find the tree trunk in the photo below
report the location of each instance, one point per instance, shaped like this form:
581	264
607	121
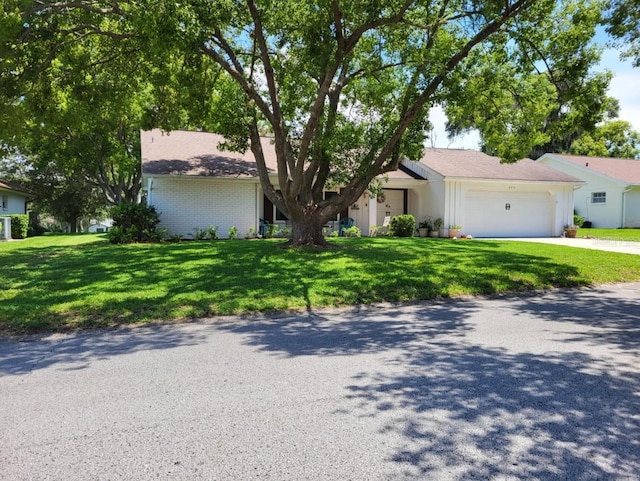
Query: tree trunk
306	230
73	225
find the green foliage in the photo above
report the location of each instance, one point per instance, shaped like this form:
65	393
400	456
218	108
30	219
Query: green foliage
272	230
426	224
538	87
615	138
578	220
19	225
208	233
133	222
352	231
623	23
233	232
220	278
345	92
402	225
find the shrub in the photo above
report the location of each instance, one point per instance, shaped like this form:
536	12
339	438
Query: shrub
208	233
402	225
134	223
578	220
233	232
272	230
353	231
19	225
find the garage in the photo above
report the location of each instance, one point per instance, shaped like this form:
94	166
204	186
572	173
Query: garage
508	214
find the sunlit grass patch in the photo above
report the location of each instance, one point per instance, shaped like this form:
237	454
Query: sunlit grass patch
70	282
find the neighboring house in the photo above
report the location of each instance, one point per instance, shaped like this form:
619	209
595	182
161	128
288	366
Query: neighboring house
491	199
194	184
98	226
13	199
610	196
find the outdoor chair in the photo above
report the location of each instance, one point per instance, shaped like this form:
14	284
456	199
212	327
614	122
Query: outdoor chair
344	223
263	228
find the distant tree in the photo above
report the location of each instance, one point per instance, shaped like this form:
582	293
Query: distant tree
615	138
547	69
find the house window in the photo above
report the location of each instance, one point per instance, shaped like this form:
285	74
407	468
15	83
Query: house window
598	197
5	202
280	215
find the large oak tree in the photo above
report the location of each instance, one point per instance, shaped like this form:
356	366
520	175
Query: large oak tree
343	86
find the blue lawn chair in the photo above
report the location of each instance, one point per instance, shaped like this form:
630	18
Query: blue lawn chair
345	223
263	228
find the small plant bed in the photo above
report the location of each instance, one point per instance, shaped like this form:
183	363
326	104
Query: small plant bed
58	283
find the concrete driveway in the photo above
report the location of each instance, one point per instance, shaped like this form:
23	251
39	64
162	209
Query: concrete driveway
536	387
624	247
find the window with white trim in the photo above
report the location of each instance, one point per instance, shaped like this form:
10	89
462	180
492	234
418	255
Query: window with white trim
598	197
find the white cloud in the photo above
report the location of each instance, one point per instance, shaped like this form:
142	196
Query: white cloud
439	135
625	86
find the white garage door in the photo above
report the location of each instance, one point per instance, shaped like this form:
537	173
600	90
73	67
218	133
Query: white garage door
508	214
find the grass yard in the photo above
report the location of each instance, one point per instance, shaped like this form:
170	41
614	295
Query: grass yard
632	235
70	282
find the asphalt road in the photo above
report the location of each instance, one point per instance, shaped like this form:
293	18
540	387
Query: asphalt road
536	387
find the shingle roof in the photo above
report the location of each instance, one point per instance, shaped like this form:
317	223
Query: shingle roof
198	153
11	186
458	163
626	170
188	153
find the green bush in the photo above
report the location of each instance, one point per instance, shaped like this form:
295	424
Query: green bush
578	220
134	223
208	233
19	226
353	231
402	225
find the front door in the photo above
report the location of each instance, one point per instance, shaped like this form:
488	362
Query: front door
391	202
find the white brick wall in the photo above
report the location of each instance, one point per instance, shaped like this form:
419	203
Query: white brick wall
187	203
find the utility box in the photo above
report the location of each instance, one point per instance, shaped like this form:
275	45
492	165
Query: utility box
5	228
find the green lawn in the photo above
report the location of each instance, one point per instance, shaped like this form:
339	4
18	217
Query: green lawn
68	282
612	234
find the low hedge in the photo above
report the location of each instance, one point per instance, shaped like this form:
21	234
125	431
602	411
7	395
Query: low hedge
19	226
402	225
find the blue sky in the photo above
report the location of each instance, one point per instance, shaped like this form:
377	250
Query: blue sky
625	86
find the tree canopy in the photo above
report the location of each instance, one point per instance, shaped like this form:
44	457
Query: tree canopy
623	23
614	138
343	86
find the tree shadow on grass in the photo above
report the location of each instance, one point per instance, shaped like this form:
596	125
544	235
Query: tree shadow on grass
105	285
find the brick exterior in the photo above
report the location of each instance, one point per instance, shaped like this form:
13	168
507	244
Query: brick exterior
187	203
